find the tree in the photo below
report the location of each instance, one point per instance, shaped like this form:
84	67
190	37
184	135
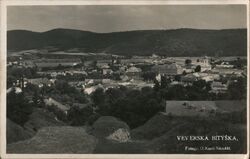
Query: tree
98	96
165	81
148	76
59	67
177	78
188	61
10	81
176	92
156	85
184	73
237	90
18	108
200	84
94	64
37	99
198	68
79	116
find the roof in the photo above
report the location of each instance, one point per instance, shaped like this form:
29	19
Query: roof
52	101
134	69
38	80
189	78
218	84
167	66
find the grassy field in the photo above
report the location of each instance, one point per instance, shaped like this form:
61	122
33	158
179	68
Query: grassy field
56	140
203	108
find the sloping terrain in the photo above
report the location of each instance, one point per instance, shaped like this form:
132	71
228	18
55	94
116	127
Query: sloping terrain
160	134
56	140
155	127
168	143
111	147
16	133
41	118
179	42
106	125
157	136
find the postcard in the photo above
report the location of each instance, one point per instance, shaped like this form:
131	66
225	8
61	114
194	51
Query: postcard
124	79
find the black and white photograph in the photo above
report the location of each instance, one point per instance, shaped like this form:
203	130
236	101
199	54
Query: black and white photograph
127	79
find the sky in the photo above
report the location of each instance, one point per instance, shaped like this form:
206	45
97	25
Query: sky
108	18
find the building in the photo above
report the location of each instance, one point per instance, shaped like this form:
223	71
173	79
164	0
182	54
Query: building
189	79
207	76
52	102
224	65
218	87
134	73
103	63
40	82
167	69
227	71
204	63
107	71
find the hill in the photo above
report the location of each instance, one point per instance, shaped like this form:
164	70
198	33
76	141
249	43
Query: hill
16	133
179	42
41	118
63	139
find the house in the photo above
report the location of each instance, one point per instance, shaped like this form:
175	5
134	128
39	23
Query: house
40	82
224	65
122	69
52	102
218	87
176	83
103	63
206	76
107	71
167	69
189	79
204	63
91	89
124	78
16	89
53	74
76	72
134	73
227	71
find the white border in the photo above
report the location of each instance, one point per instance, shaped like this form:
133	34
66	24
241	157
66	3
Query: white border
124	2
3	51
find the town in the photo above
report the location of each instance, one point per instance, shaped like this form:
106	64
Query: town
80	88
88	71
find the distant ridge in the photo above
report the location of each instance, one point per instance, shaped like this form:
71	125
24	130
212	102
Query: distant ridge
177	42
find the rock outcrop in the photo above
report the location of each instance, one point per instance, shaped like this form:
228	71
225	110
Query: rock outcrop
120	135
111	128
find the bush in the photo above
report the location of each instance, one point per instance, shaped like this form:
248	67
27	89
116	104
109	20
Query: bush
79	116
18	108
134	107
58	112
